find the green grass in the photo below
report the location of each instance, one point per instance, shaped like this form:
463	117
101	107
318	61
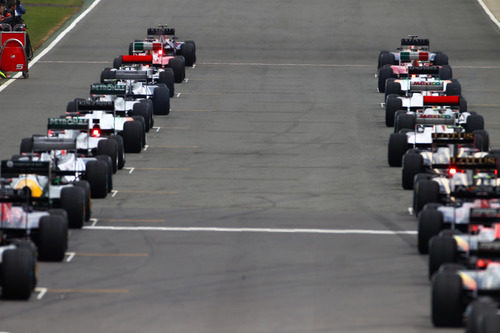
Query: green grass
42	21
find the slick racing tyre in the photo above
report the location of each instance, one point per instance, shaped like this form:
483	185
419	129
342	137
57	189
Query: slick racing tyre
73	202
384	73
462	104
188	52
454	88
141	110
404	121
167	77
107	75
17	273
430	224
392	104
110	148
474	122
26	145
398	145
413	163
392	87
117	62
96	173
178	66
447	304
85	185
52	238
109	170
445	73
194	47
481	140
387	58
442	250
441	59
161	101
121	150
132	136
476	313
141	120
491	323
427	191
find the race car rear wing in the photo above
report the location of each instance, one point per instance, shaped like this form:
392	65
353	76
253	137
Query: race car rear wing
137	59
108	89
486	163
442	100
161	31
131	75
415	42
408	56
423	70
427	85
86	106
8	194
445	139
14	168
434	120
68	124
45	144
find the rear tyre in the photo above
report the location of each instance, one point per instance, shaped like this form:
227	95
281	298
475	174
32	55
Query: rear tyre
405	121
445	73
446	300
441	59
491	323
392	104
141	109
97	175
85	185
107	74
52	238
398	145
108	171
26	145
110	148
117	62
161	101
474	122
120	150
442	250
18	274
412	165
477	311
73	202
430	223
188	52
132	136
392	87
168	78
427	191
177	65
481	140
384	73
454	88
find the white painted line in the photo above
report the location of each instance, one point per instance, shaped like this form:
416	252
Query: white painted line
41	292
146	147
178	95
382	105
70	255
72	62
113	194
186	80
284	64
194	66
94	221
259	230
53	44
489	13
375	75
157	129
410	210
130	170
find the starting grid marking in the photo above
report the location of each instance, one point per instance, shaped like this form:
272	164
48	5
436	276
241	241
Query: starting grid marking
257	230
43	291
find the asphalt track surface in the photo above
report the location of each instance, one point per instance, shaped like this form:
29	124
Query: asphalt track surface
279	126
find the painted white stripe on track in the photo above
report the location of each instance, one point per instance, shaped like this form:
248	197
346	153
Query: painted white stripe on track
53	43
259	230
489	13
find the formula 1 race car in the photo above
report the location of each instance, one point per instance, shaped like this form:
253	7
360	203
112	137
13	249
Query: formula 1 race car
454	287
94	123
172	45
436	159
475	248
425	132
45	191
70	166
18	267
134	86
412	53
468	177
22	218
